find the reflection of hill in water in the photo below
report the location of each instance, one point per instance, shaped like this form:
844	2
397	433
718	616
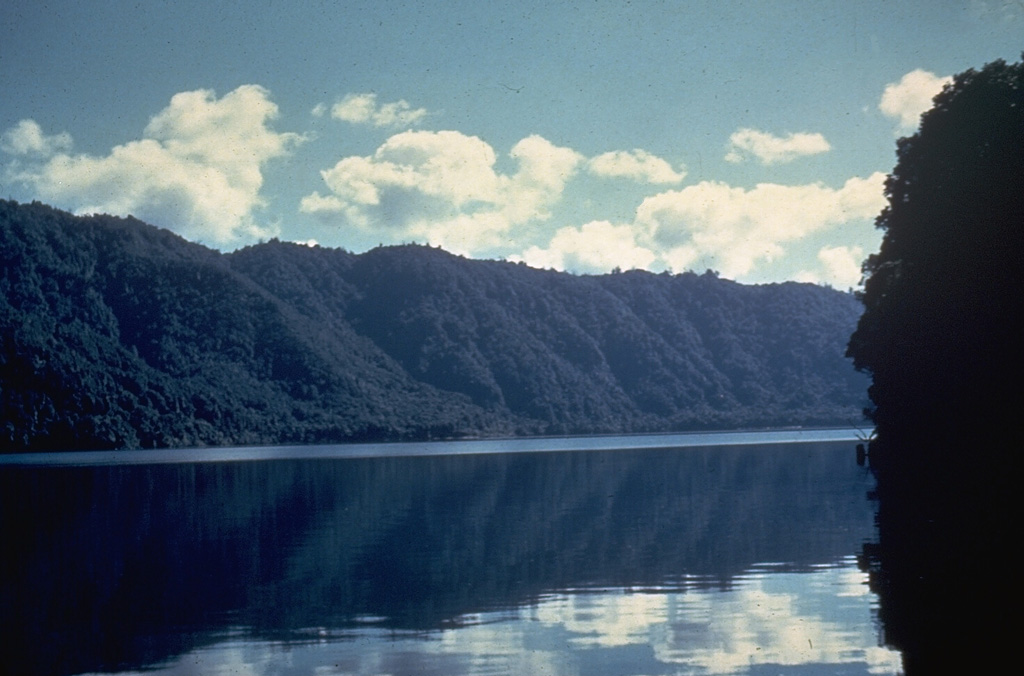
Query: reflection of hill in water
125	566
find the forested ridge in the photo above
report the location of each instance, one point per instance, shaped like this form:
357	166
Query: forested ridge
117	334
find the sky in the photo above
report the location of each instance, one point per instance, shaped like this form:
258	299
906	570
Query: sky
750	137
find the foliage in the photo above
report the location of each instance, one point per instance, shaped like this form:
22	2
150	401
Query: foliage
116	334
941	337
943	319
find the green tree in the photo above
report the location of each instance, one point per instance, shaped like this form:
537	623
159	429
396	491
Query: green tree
941	336
941	333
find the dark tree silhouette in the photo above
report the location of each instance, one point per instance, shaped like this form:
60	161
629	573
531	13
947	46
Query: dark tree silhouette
944	310
941	336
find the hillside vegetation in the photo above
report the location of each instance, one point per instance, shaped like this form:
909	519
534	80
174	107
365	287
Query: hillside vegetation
117	334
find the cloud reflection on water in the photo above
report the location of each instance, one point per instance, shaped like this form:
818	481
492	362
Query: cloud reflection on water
788	621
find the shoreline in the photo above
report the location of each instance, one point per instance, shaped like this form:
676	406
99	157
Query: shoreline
488	446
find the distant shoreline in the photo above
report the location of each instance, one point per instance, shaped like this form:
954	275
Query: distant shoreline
491	446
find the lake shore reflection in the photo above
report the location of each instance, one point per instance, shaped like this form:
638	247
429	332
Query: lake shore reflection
602	562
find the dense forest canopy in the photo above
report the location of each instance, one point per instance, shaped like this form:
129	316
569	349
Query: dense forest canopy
116	334
941	336
944	296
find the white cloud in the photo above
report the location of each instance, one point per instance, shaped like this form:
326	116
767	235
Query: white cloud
733	229
444	186
840	267
912	95
27	138
364	109
197	170
637	164
544	169
714	225
771	149
595	247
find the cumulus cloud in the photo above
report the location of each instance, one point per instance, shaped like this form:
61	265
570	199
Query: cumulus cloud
444	186
197	170
733	229
454	190
544	169
595	247
27	138
364	109
638	165
905	100
840	267
714	225
771	149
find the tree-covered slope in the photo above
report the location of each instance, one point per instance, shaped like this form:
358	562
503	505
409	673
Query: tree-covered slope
118	334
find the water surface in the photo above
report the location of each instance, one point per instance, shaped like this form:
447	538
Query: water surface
729	559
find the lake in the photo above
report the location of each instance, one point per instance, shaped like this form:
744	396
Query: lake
661	554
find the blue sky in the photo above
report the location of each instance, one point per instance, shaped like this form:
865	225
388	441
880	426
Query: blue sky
751	138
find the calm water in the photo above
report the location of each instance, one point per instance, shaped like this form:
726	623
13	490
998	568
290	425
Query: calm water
671	558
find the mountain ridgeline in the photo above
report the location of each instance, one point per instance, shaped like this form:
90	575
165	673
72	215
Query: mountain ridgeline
117	334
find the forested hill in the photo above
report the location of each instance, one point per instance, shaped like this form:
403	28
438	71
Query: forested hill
117	334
